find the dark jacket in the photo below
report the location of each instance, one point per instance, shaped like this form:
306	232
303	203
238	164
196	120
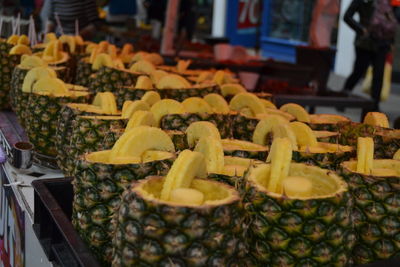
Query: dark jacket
365	9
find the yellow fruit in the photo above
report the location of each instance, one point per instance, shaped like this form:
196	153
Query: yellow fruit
106	102
369	157
361	154
183	65
196	105
213	153
133	107
304	135
112	51
20	49
268	104
232	89
187	197
377	119
102	60
384	172
144	82
247	100
297	111
49	37
265	126
204	76
186	167
127	49
35	74
24	40
13	39
33	61
156	76
50	85
285	131
118	64
125	160
143	66
297	187
217	103
271	111
200	129
397	155
140	118
70	41
151	98
173	81
165	107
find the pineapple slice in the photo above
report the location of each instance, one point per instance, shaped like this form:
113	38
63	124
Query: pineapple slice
50	85
268	104
140	118
118	64
365	155
213	153
20	49
264	126
70	41
204	76
13	39
172	81
297	187
188	165
133	107
156	76
222	77
232	89
280	157
234	170
200	129
143	66
102	60
271	111
196	105
151	98
78	40
247	112
144	82
127	49
165	107
369	157
285	131
304	135
384	172
106	102
33	61
217	103
103	46
183	65
297	111
247	100
35	74
23	39
112	51
396	155
124	160
377	119
141	139
49	37
187	196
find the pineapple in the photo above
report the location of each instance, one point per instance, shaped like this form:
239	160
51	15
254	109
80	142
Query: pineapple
297	111
83	72
326	122
327	137
374	186
376	119
100	179
244	149
187	221
299	214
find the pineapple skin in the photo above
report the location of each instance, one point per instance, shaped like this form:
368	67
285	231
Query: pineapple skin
7	65
19	99
243	127
375	216
110	79
83	72
43	113
152	233
97	195
329	161
289	232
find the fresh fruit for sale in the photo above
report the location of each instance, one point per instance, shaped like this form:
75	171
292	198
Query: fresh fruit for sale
376	209
196	105
365	155
244	149
213	152
217	103
268	104
102	60
32	61
34	75
397	155
304	135
151	98
49	85
326	122
285	131
309	226
164	107
144	82
156	76
261	134
377	119
141	118
143	66
297	111
133	107
247	100
20	49
204	76
172	81
273	111
327	137
200	129
232	89
13	39
222	77
51	36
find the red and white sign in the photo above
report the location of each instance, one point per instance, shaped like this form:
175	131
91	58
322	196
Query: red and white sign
249	15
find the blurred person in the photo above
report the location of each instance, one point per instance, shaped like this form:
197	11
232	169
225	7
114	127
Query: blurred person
323	20
119	11
156	10
375	32
68	11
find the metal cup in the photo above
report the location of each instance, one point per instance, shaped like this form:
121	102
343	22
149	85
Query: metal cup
22	155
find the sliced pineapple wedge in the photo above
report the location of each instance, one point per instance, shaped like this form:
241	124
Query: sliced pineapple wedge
156	76
217	102
102	60
285	131
51	36
377	119
384	172
196	105
268	104
151	97
33	61
143	66
20	49
106	102
50	85
365	155
187	196
271	111
304	134
13	39
183	65
396	155
133	107
297	187
232	89
297	111
140	140
264	127
186	167
144	82
200	129
141	118
35	74
23	39
280	157
204	76
165	107
173	81
213	152
247	100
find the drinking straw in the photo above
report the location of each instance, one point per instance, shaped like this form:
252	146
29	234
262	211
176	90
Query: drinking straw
1	25
76	27
59	23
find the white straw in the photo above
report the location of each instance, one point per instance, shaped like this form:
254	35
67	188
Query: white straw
19	24
59	23
1	25
76	27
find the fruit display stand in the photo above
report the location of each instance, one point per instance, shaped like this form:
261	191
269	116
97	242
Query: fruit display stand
29	236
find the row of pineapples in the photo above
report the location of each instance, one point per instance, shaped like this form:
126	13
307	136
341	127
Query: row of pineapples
295	213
